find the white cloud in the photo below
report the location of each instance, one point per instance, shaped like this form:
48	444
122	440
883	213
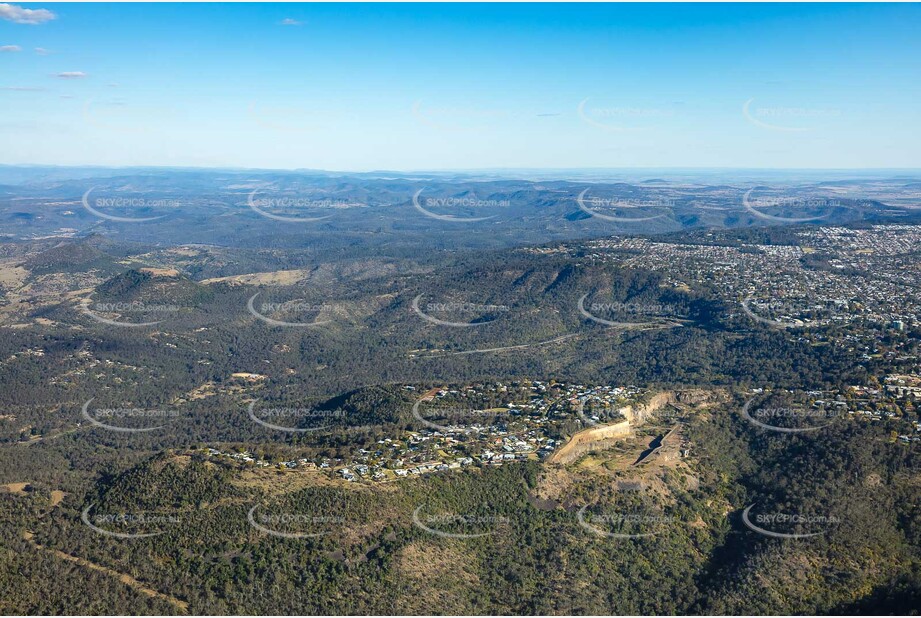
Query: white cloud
71	75
19	15
10	48
290	22
22	88
41	51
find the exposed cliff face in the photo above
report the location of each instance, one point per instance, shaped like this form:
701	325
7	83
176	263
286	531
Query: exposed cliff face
601	437
699	396
637	415
589	440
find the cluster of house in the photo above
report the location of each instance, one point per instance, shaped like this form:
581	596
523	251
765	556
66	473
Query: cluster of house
377	472
247	457
903	385
522	428
870	403
526	424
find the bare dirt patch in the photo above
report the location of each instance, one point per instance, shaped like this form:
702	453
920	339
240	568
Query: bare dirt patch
554	483
161	272
16	488
278	277
279	482
12	277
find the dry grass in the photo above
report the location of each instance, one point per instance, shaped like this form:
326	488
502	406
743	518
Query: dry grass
12	276
16	488
278	277
279	482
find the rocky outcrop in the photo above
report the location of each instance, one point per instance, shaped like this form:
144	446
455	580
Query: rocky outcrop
604	436
699	396
638	414
591	440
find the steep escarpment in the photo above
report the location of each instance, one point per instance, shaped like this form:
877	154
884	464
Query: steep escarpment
604	436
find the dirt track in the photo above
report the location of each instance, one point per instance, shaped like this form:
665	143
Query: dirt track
122	577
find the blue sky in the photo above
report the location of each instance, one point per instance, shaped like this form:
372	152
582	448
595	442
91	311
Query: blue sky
436	86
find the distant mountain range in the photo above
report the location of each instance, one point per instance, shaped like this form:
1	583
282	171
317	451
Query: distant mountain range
400	213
